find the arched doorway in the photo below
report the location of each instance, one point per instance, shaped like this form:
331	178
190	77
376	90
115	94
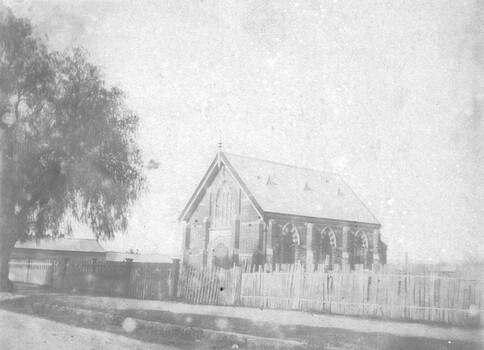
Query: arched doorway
220	256
327	248
289	244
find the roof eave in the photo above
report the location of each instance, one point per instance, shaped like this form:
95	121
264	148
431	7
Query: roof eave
200	186
213	167
316	219
61	250
241	183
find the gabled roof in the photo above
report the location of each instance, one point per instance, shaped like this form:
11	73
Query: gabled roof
286	189
63	244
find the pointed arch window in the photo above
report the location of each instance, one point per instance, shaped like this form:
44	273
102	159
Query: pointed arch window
289	244
223	208
359	248
328	247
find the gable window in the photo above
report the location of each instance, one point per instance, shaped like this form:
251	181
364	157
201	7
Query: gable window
224	207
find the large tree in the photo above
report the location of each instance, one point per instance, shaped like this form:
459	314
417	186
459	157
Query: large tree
67	143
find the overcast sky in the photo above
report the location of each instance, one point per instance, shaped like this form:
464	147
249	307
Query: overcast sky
382	92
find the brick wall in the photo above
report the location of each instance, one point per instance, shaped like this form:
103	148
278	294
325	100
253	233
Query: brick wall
316	247
249	238
202	211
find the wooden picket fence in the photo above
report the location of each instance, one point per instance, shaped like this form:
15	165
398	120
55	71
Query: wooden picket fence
151	281
386	293
209	285
415	294
110	278
31	271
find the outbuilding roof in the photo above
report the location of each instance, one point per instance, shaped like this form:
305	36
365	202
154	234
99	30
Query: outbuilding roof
141	258
63	244
287	189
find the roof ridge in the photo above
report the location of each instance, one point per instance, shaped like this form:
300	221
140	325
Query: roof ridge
357	209
68	239
285	164
86	239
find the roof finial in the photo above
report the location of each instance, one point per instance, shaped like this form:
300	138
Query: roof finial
219	148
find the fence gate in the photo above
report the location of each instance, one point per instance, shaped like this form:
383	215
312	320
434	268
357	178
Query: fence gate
209	285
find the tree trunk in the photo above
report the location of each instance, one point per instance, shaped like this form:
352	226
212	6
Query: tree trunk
8	233
6	248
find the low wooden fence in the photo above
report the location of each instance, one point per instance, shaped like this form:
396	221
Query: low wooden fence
389	293
386	293
156	281
31	271
152	281
209	285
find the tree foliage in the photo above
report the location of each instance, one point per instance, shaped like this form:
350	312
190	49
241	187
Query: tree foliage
72	139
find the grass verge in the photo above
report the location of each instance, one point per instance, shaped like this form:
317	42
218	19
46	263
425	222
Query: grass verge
190	331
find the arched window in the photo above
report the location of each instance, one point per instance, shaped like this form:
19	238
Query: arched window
359	248
328	247
290	243
223	208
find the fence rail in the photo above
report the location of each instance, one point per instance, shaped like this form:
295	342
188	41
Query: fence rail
385	293
31	271
111	278
389	293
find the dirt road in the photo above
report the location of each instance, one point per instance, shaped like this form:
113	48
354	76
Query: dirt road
18	331
288	318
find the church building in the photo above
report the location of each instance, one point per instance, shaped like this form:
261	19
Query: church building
247	210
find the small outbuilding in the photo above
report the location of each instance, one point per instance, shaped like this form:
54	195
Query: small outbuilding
60	248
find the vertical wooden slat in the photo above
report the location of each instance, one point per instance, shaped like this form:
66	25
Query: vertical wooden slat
416	294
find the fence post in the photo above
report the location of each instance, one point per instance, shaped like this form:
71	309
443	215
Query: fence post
129	268
52	270
175	276
237	285
28	269
296	285
407	287
93	274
